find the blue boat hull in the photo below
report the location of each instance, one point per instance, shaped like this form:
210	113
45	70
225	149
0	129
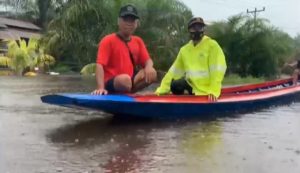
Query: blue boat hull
123	105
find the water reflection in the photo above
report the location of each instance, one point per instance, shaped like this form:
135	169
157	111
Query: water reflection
132	146
203	139
122	141
36	137
202	144
97	130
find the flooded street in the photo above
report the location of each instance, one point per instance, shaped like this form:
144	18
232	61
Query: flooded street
40	138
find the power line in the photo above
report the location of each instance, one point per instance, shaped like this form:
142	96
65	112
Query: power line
256	11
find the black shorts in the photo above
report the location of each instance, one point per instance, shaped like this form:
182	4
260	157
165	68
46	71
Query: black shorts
178	87
109	85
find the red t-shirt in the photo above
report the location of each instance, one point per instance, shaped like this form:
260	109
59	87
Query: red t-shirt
115	58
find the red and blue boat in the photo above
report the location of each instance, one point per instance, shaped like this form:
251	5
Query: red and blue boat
232	100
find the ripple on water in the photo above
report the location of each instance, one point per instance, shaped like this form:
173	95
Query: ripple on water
60	139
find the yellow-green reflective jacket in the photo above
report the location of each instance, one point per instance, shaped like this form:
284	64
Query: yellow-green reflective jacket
203	66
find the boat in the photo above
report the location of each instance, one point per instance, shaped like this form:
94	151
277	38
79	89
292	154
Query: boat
232	100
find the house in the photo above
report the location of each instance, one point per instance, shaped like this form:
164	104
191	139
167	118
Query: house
11	29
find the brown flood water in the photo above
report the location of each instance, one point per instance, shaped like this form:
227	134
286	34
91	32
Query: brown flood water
41	138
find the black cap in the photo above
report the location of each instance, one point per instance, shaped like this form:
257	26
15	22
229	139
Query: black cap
196	20
128	10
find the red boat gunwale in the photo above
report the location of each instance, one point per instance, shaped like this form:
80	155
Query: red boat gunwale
230	94
255	86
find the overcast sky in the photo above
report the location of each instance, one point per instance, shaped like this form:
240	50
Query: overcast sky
284	14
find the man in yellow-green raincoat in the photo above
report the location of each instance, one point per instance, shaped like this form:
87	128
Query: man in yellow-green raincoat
199	67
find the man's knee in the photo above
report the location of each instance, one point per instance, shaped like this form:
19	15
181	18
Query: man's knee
123	83
140	76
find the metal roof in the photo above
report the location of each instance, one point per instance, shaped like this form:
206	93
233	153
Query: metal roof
18	24
15	34
16	29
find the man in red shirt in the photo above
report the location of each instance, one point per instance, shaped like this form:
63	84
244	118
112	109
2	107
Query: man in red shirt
118	56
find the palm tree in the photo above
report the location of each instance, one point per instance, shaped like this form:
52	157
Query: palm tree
79	28
27	55
77	31
39	12
22	54
5	61
252	47
44	61
164	29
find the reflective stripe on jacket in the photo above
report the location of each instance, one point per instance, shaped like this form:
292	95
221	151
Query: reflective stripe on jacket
203	66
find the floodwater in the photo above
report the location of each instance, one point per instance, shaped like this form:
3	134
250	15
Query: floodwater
40	138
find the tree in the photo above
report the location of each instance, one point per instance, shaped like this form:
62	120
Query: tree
44	61
5	61
27	55
74	34
15	6
22	55
39	12
164	29
297	41
252	47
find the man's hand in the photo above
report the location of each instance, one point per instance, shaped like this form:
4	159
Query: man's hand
100	81
212	98
150	74
100	92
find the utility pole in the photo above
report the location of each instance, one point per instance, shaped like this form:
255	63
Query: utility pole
256	11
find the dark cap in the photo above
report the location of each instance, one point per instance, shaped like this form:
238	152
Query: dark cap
196	20
128	10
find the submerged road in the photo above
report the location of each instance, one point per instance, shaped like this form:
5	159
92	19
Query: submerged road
41	138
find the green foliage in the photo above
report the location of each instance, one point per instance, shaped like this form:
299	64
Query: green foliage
45	60
234	79
22	54
27	55
5	73
252	47
39	12
88	69
297	47
164	29
61	68
75	33
5	61
297	41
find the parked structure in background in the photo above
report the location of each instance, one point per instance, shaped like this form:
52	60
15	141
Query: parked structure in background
11	29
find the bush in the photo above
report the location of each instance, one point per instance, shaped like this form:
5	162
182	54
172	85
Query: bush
88	69
235	79
252	47
61	68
